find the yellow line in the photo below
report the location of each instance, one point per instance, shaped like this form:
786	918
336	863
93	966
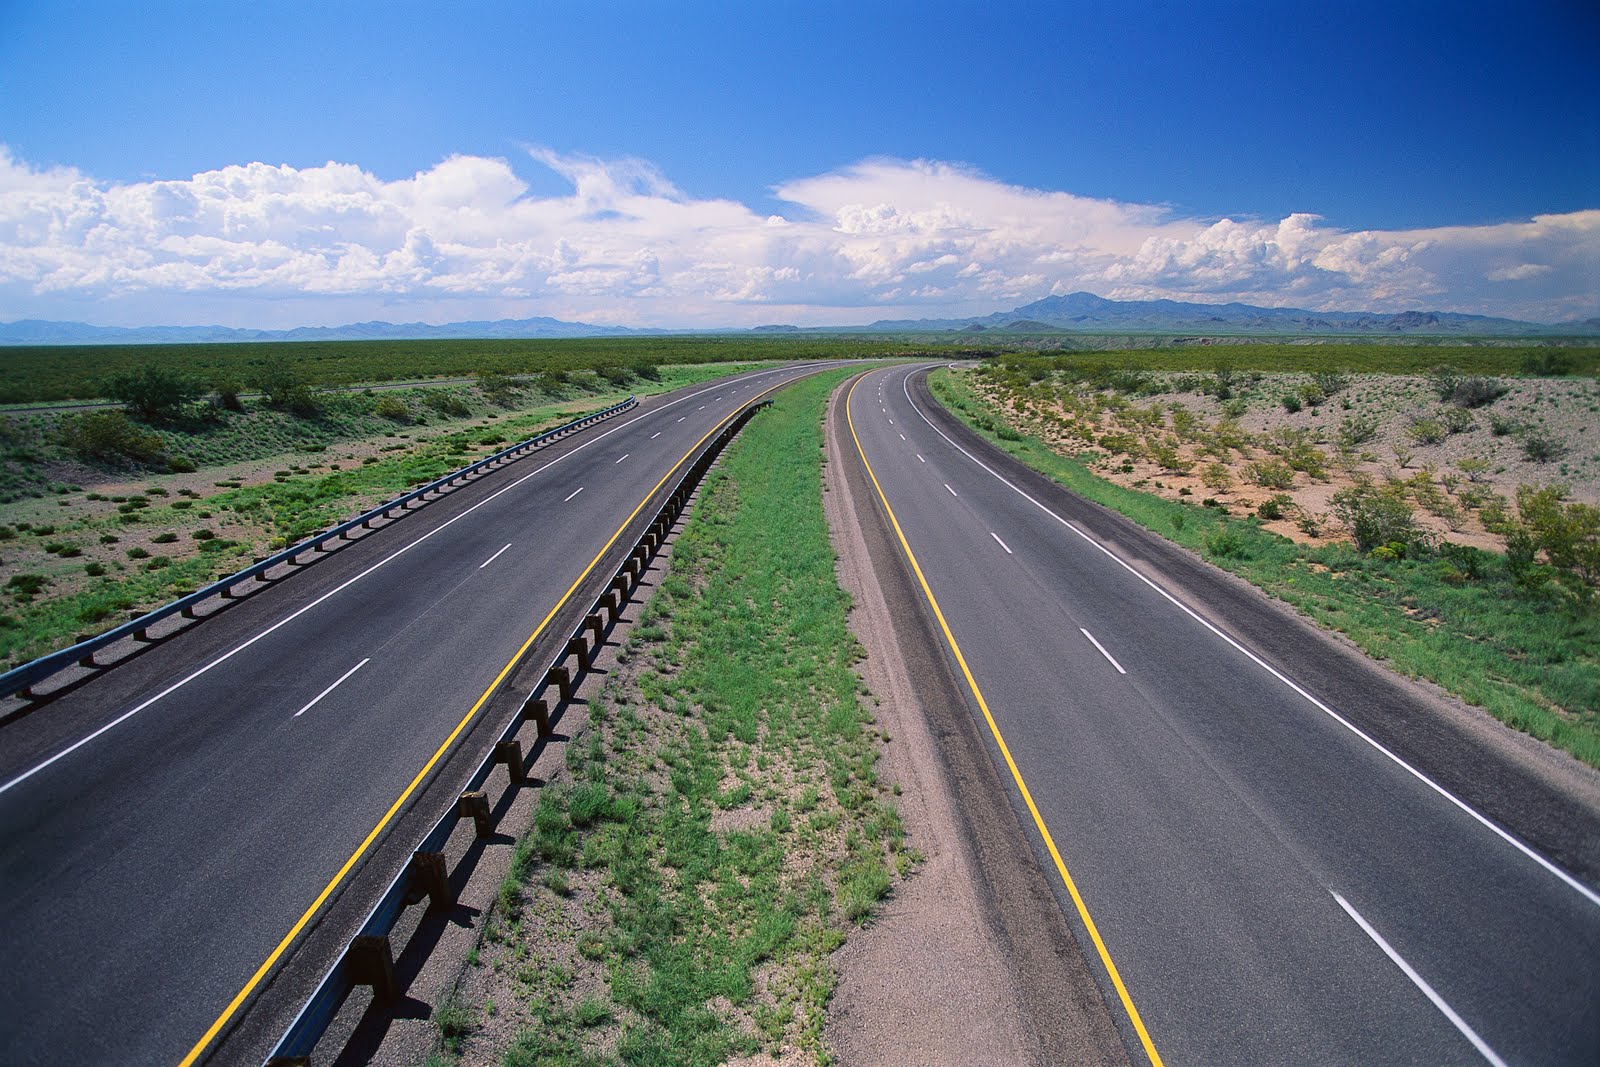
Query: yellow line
994	728
355	857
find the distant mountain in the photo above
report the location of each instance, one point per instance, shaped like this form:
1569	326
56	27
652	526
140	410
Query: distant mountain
43	332
1087	313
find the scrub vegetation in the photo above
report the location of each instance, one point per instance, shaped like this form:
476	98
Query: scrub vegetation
124	536
720	825
1510	623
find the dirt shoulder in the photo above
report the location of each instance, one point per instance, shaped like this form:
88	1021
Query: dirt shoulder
971	961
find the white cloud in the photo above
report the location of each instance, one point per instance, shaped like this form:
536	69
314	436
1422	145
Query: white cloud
275	245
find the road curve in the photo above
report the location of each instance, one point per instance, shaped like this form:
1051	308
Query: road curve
150	870
1264	881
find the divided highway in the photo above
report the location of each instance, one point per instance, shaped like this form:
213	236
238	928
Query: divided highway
1257	880
172	831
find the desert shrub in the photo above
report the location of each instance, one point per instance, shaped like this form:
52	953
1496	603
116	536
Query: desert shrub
110	437
1217	476
1295	448
1426	431
615	373
1567	532
1458	420
1475	392
1311	393
1271	474
1445	379
1374	516
1330	382
1275	506
1547	364
1356	430
1290	402
1474	468
1539	448
1501	426
1225	541
286	388
228	390
1309	523
391	407
153	392
447	404
498	388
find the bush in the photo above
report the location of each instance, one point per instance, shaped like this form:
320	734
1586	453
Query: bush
1501	426
1425	431
1568	533
1290	402
1374	516
153	392
447	404
616	375
286	388
1271	474
228	390
498	388
1539	448
391	407
1357	430
1458	420
110	436
1275	506
1225	542
1445	379
1547	364
1475	392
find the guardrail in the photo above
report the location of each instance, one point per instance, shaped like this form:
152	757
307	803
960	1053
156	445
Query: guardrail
20	680
368	960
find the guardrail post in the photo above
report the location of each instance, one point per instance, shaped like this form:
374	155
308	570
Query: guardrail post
475	806
562	678
539	711
609	603
510	753
429	878
371	963
593	623
577	646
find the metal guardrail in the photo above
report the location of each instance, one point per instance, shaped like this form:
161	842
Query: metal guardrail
19	680
368	960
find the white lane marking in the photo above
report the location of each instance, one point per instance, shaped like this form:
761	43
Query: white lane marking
920	459
655	435
496	556
286	620
1585	891
702	407
340	682
685	417
902	437
891	422
625	455
952	491
574	493
1001	543
1417	980
1102	648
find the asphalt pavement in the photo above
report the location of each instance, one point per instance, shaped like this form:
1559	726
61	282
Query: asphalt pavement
172	830
1267	881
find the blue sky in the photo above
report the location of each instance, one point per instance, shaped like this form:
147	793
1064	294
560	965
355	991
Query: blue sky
916	135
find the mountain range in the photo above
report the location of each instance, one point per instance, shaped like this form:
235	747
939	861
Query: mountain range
1072	313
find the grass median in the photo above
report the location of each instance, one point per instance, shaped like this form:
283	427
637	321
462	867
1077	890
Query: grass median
720	824
1529	658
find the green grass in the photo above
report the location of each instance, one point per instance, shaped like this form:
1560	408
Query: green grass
747	674
1532	659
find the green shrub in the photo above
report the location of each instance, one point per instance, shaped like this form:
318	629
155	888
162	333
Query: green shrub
1501	426
136	552
1475	392
1568	533
203	535
1225	541
1271	474
1458	420
1374	516
1426	431
1540	448
1356	430
165	537
447	404
1290	402
1275	506
153	392
391	407
1548	363
110	437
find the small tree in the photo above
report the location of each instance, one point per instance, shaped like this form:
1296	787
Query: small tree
1373	516
153	392
286	387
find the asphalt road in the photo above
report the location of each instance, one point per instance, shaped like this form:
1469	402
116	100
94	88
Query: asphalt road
1270	881
166	825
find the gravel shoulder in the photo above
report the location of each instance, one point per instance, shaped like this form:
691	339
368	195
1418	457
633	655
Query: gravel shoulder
971	961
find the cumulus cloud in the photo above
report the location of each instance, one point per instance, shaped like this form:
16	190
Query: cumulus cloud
272	245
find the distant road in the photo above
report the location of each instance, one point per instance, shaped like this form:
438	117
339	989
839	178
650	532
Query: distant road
1287	855
167	827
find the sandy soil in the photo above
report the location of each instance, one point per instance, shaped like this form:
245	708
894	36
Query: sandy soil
1449	499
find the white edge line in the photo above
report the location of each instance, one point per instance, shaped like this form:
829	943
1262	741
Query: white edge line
1109	657
1001	543
1417	980
175	686
494	557
1585	891
342	677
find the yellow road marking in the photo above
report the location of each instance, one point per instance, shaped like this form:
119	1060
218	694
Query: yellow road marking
355	857
994	728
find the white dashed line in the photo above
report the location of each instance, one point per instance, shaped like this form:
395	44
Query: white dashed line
625	456
575	492
1416	979
655	435
491	559
952	491
1001	543
331	688
1102	649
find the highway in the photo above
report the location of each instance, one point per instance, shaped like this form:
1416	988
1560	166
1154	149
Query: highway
174	830
1256	874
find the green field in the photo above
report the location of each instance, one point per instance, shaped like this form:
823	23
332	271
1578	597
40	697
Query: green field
34	375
